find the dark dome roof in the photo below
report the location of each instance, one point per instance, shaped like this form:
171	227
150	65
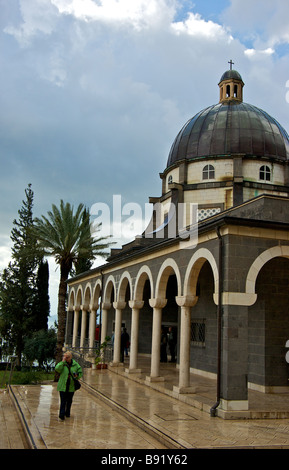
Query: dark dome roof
228	129
231	74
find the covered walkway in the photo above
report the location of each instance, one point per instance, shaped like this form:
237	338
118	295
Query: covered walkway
114	411
203	392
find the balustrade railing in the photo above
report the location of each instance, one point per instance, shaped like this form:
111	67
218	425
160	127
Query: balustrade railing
86	354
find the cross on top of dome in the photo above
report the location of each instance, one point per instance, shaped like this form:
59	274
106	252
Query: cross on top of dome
231	86
231	63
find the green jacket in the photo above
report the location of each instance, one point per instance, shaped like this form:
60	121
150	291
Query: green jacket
63	370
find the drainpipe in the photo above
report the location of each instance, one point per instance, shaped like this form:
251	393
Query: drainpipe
219	324
100	312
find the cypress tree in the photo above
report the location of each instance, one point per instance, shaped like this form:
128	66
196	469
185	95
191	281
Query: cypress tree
41	306
18	285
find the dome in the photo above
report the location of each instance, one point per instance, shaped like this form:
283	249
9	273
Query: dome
228	129
231	74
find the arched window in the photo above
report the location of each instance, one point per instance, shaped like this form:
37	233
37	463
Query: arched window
170	179
265	173
208	172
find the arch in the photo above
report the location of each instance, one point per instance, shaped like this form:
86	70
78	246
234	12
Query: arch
168	267
87	294
265	173
228	91
79	297
96	293
71	299
125	281
109	288
208	172
259	262
193	270
143	274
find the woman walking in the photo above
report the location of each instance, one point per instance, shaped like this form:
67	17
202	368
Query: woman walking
67	368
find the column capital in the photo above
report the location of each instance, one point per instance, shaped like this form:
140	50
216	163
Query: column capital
136	304
106	305
76	308
84	307
119	305
158	303
93	307
186	300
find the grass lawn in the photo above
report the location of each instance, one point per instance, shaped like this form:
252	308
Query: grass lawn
24	377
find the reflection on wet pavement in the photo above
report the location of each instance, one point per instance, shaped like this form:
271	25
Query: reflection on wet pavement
96	425
92	425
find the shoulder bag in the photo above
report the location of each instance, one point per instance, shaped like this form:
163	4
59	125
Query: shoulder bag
77	384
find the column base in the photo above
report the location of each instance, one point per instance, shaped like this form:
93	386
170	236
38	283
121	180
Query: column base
234	405
116	364
132	371
154	379
184	390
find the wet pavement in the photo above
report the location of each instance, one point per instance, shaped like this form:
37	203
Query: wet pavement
12	435
115	410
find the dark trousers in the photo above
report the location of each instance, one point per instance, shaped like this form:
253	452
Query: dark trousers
65	403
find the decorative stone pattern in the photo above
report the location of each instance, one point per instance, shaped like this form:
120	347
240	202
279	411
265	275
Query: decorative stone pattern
205	213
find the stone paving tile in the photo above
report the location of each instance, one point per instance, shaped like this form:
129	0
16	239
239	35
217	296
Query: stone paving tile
92	424
171	416
11	434
95	425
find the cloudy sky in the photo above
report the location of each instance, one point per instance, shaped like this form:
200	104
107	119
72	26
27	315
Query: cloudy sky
93	92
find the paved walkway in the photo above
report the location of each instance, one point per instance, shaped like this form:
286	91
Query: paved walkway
112	411
11	433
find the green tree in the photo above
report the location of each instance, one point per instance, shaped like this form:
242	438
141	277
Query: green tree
11	314
18	281
66	235
85	261
41	346
41	301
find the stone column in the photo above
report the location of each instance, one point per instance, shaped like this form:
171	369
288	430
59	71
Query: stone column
84	309
75	326
157	305
119	306
68	326
135	305
186	303
106	306
92	325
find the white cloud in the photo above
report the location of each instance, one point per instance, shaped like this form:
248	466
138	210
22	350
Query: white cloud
263	22
254	53
194	25
138	13
39	16
5	251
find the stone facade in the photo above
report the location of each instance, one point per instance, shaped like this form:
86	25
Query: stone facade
223	289
161	286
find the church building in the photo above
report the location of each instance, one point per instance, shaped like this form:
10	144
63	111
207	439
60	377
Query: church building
212	266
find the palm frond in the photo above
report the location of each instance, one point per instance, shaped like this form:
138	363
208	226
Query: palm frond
65	234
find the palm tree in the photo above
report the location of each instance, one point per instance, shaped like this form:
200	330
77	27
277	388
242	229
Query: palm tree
67	237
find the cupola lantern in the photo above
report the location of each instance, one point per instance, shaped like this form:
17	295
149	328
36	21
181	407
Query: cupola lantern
231	86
